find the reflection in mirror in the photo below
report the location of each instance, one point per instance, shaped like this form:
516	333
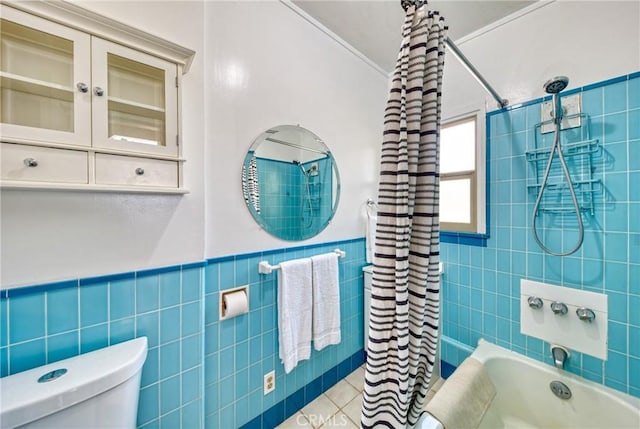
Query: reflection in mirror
290	182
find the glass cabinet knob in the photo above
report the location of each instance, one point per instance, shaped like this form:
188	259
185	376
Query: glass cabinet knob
139	171
82	87
98	91
30	162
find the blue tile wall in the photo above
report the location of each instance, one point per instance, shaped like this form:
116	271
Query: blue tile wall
47	323
284	206
280	184
320	193
481	286
199	371
239	351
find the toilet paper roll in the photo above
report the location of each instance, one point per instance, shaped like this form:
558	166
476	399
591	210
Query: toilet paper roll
235	303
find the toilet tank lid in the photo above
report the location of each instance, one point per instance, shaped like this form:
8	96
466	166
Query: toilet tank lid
24	400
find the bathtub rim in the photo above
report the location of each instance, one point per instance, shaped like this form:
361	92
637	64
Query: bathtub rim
486	351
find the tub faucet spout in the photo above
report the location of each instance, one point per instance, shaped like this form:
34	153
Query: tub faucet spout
560	356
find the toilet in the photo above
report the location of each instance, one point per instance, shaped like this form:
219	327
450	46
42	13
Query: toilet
99	389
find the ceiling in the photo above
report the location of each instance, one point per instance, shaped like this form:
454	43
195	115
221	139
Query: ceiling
373	27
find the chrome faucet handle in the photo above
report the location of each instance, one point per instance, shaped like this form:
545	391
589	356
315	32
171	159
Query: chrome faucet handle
586	314
560	355
559	308
534	302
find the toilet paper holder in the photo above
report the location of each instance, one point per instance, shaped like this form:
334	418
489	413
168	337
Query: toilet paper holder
234	295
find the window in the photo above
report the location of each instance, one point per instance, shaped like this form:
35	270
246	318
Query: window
462	187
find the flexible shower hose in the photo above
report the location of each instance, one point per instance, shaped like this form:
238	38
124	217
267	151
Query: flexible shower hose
556	148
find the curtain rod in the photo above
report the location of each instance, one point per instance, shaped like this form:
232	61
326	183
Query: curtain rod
502	102
297	146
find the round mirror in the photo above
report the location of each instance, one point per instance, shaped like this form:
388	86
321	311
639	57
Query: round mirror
290	182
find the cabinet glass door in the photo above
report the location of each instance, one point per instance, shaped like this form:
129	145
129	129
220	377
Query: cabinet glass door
136	108
41	80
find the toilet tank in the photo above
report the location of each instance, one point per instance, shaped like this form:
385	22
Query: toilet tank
99	389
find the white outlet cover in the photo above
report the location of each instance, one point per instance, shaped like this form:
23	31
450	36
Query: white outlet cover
269	382
571	105
565	330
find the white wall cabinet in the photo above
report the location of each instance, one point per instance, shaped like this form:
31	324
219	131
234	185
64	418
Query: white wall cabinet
90	97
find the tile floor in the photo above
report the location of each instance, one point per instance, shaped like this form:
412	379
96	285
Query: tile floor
338	407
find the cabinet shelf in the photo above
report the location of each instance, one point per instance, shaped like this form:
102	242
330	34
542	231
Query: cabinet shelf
134	108
37	87
47	50
59	186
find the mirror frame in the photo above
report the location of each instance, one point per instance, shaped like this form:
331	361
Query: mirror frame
335	174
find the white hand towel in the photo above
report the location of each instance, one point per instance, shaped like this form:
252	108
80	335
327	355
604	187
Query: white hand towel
294	312
370	235
326	300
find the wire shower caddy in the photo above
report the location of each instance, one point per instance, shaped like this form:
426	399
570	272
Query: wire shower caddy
579	149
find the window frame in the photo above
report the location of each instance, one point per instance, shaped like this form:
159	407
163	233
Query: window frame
477	227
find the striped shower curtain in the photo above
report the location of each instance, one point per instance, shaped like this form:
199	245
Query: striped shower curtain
250	184
403	326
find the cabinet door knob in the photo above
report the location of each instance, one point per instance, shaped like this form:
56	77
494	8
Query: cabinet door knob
30	162
98	91
139	171
82	87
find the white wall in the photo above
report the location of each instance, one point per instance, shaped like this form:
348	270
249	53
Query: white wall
260	64
266	66
257	65
588	41
49	236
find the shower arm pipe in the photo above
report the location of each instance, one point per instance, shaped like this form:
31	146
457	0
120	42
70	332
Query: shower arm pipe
264	267
297	146
502	102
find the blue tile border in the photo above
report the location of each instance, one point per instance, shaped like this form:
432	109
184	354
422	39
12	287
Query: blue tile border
297	400
107	278
600	84
198	264
446	369
39	288
219	259
155	271
27	289
285	408
284	249
464	238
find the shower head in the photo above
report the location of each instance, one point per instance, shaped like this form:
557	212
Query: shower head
299	164
556	84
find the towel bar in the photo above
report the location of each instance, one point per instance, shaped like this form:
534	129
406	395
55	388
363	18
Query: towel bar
265	268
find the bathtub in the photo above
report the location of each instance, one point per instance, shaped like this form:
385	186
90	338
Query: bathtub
524	400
